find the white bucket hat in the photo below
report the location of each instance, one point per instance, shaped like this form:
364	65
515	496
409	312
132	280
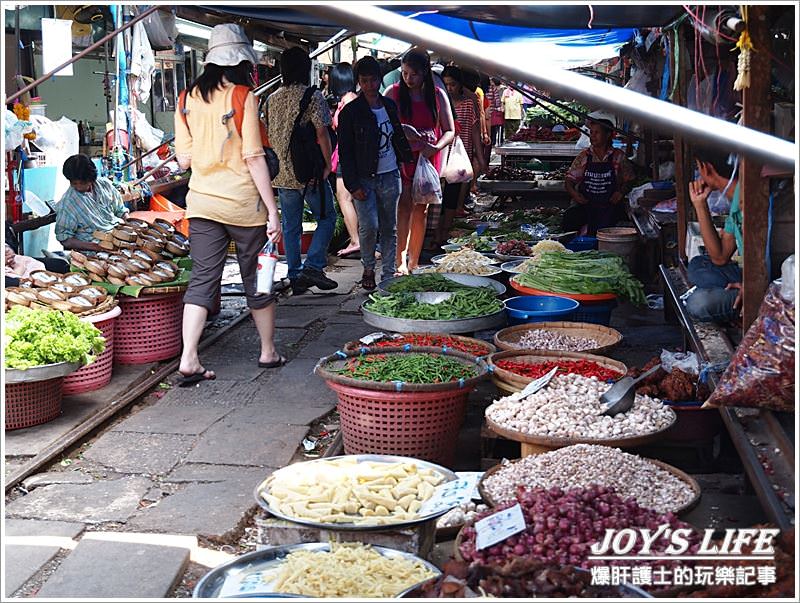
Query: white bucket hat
602	117
228	46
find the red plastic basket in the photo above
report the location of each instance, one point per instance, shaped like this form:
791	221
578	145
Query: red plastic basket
424	425
149	328
97	374
33	402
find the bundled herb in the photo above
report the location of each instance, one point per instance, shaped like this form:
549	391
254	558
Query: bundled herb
432	282
409	368
587	272
469	303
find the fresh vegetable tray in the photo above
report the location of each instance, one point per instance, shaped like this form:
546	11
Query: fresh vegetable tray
462	279
41	373
684	477
210	586
449	476
589	297
459	325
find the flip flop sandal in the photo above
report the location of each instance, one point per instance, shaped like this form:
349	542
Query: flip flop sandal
187	380
274	364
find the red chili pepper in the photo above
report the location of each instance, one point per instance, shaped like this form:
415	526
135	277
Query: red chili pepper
585	368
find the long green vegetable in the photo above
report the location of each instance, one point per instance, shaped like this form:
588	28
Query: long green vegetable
409	368
417	283
589	272
462	304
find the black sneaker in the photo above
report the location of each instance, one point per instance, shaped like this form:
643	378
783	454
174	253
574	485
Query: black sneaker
316	278
299	285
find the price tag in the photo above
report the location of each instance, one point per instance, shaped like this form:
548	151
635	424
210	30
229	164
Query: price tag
449	495
476	475
537	384
372	338
498	527
246	583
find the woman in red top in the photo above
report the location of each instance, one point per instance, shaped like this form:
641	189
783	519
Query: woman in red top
428	124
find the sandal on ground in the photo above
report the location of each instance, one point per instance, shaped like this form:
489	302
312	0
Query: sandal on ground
201	375
274	364
368	280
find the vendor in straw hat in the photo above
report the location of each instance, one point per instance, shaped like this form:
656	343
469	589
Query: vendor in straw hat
598	179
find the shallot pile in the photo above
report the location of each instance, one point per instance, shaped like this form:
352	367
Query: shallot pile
542	339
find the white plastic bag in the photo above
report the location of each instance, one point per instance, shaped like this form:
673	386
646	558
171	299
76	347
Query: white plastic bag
685	361
459	167
426	188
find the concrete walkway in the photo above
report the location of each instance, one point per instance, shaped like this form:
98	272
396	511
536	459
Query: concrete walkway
137	503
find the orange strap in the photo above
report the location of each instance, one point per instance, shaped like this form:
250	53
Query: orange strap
237	103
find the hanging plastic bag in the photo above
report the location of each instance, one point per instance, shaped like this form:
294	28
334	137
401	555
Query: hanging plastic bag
426	188
459	167
761	373
684	361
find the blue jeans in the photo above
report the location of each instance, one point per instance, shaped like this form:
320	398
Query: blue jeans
711	301
378	213
292	201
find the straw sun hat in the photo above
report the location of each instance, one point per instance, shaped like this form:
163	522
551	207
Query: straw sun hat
228	46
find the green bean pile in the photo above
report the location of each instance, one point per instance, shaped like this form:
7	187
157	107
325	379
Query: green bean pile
418	283
462	304
409	368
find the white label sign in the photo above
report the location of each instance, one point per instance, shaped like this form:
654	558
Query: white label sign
537	384
450	495
476	475
498	527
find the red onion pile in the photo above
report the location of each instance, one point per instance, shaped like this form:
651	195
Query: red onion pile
562	525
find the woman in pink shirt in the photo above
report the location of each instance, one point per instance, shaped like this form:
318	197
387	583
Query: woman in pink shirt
428	123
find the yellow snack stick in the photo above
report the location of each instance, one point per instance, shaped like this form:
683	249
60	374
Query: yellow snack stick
382	511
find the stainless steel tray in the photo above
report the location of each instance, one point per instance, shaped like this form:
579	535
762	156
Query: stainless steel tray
463	279
351	527
211	585
511	267
41	373
506	186
460	325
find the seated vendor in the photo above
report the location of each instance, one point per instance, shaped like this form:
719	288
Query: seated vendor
598	180
91	203
19	267
718	296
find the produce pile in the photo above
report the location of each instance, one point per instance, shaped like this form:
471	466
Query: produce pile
34	338
462	304
557	174
544	339
350	570
346	491
563	524
419	283
466	512
465	261
583	465
545	134
417	368
49	290
539	115
586	272
518	578
509	224
510	174
675	386
585	368
474	241
569	407
137	254
514	247
434	340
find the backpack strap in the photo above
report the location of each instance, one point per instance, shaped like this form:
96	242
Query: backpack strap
238	99
304	103
182	108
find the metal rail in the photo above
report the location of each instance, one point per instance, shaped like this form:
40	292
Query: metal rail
655	113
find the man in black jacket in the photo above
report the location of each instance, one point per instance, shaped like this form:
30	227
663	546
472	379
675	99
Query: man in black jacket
371	147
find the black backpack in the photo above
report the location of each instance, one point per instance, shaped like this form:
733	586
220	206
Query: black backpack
306	154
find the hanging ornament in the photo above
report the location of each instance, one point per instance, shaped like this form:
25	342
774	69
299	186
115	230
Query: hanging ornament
745	47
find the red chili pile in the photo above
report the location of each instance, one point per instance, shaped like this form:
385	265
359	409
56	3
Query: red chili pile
587	368
436	341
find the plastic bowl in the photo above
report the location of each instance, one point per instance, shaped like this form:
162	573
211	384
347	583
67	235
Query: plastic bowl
539	308
582	244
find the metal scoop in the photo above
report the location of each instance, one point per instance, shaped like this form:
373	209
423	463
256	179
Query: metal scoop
431	297
622	394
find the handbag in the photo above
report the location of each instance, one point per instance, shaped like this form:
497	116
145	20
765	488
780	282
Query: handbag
459	167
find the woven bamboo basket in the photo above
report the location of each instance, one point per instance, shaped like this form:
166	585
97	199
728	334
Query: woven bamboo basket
685	478
607	338
540	356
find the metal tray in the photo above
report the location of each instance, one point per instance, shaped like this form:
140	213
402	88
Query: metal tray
495	270
463	279
41	373
460	325
511	267
489	255
506	186
350	527
210	586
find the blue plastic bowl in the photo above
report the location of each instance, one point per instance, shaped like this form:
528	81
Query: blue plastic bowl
582	244
595	313
539	308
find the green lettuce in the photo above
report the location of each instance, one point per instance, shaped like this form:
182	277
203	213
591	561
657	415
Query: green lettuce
37	337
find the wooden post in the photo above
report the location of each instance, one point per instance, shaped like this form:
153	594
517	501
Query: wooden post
754	196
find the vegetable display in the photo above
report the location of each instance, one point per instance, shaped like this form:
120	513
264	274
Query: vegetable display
544	134
562	525
407	368
465	261
462	304
514	247
586	272
585	368
511	174
538	114
436	341
542	339
419	283
474	241
34	338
